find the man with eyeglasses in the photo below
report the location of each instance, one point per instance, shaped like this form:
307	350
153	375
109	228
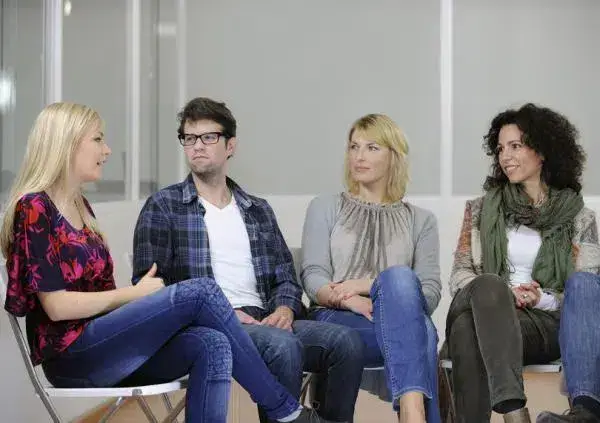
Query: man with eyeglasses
208	226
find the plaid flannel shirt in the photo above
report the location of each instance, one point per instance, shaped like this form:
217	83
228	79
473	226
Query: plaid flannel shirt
171	232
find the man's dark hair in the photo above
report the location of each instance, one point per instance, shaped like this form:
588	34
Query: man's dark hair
202	108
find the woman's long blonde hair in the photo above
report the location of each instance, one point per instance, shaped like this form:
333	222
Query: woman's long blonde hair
53	140
384	131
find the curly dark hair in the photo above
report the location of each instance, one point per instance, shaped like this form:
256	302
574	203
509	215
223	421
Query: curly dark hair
202	108
548	133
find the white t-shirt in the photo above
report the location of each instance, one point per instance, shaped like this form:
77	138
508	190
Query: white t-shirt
230	255
523	246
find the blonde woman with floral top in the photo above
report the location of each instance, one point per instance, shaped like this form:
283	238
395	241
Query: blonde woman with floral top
521	244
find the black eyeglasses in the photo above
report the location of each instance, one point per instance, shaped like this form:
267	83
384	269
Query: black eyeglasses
207	138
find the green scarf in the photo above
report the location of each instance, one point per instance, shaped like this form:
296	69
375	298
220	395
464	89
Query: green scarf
510	206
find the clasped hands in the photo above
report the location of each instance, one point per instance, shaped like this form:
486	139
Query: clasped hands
349	294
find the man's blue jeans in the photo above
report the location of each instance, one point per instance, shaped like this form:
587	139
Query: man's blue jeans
335	352
186	328
402	337
579	335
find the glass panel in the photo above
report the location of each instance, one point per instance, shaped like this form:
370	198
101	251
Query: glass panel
21	81
95	73
149	98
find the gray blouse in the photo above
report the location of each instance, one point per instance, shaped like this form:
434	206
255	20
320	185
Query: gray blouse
346	238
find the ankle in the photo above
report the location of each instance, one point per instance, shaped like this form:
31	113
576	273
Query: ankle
412	408
517	416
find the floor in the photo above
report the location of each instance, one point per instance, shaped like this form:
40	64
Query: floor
542	391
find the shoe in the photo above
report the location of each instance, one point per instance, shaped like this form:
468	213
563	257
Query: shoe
518	416
578	414
309	415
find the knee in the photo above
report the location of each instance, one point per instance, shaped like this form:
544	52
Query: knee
396	279
203	291
582	285
490	289
284	350
213	348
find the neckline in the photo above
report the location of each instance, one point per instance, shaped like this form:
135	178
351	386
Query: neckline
375	206
206	203
61	216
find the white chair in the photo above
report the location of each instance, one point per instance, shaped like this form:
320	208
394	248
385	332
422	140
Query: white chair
45	393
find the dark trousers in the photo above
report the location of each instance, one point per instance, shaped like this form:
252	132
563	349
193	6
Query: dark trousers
489	341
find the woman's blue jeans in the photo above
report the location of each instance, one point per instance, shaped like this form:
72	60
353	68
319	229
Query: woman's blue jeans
185	328
402	338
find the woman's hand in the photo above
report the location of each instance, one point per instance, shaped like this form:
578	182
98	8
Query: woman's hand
527	294
149	283
359	305
352	287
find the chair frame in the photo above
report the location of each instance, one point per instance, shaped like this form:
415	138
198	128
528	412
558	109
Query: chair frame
45	393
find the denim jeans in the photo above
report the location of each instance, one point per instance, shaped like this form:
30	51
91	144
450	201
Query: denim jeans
489	340
334	352
580	335
186	328
402	337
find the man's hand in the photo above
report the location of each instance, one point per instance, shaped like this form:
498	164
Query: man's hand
352	287
360	305
246	319
281	318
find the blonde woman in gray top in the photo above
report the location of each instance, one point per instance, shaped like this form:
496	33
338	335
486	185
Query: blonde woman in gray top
371	262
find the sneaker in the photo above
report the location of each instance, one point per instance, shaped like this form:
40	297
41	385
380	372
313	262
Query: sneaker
308	415
577	414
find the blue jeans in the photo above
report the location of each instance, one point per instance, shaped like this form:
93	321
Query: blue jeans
579	335
185	328
334	352
402	337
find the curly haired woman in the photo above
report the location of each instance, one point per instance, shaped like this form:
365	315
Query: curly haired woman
521	243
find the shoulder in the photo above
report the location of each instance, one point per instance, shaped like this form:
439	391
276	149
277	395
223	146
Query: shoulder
257	201
475	204
34	205
171	192
167	196
584	218
423	218
328	203
473	210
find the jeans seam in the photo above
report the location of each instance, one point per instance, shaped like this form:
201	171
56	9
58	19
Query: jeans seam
385	350
76	351
137	323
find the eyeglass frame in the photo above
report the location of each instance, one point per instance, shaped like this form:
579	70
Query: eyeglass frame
181	137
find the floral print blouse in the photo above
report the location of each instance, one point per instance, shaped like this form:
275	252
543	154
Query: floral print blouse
48	254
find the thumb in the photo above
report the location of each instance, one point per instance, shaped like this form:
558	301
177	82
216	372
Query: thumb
152	272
